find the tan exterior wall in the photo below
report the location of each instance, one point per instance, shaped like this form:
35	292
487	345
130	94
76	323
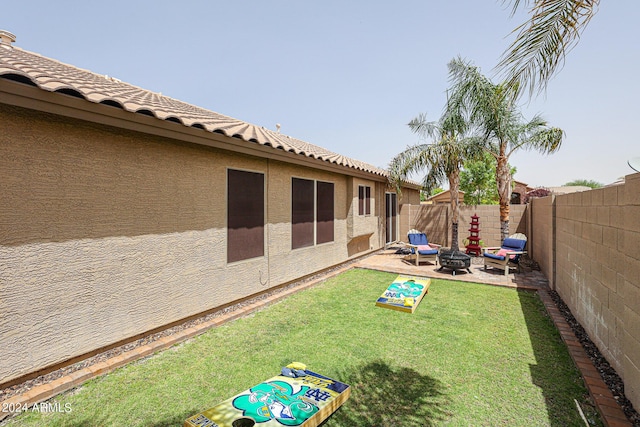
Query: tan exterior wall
598	271
444	198
285	264
409	198
364	230
106	234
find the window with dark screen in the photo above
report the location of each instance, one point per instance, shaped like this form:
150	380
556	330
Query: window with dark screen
364	200
324	203
312	213
302	213
245	215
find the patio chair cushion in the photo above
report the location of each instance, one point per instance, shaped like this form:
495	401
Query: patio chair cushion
508	244
513	244
420	248
418	239
494	256
426	250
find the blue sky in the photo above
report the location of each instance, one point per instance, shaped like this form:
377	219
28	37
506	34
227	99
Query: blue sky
349	75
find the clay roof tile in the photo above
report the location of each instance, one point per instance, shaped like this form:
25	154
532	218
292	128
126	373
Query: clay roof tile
52	75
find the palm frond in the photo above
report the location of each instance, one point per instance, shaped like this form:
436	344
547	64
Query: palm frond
543	42
515	5
420	126
473	96
548	140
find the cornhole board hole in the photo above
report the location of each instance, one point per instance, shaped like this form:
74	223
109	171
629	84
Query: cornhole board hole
405	293
304	401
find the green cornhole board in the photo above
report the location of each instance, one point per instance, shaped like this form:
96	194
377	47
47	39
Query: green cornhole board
304	401
404	294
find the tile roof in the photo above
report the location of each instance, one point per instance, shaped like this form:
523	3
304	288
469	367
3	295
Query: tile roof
54	76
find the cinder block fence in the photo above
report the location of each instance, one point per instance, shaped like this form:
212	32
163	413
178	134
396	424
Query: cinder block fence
588	246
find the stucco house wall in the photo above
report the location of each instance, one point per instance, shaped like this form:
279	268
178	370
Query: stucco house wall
113	223
107	234
362	227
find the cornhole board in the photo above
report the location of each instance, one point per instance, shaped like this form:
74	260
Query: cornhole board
405	293
280	401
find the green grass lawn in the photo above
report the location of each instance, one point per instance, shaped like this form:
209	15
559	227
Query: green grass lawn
470	355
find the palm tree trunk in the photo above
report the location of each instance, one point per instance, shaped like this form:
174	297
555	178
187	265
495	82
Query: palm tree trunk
503	178
454	186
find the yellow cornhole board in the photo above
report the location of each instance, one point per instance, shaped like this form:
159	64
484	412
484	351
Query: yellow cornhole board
405	293
304	401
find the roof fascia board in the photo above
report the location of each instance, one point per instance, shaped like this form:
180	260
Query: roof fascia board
34	98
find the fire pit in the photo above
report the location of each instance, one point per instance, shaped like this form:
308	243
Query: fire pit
454	260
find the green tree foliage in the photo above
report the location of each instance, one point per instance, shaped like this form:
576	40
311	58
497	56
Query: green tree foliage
478	181
424	195
585	183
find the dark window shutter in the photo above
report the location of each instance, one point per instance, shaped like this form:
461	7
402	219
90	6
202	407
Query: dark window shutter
325	212
367	200
245	215
302	213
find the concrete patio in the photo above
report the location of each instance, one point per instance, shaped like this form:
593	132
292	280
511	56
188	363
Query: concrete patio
390	261
529	278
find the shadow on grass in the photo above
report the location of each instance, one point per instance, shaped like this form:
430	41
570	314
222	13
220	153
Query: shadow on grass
382	395
176	420
554	371
106	420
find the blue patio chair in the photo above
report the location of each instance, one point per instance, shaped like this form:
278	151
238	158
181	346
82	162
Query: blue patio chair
506	256
421	249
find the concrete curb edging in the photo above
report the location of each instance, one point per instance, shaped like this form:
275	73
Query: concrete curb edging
49	390
610	412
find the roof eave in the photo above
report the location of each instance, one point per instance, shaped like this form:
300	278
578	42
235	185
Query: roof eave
31	97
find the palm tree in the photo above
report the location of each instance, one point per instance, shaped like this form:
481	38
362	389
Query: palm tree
442	158
492	111
543	42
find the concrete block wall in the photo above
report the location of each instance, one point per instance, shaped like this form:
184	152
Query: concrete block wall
598	271
542	233
435	221
406	201
587	246
489	218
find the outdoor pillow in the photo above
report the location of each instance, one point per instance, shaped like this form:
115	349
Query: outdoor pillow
503	253
426	250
